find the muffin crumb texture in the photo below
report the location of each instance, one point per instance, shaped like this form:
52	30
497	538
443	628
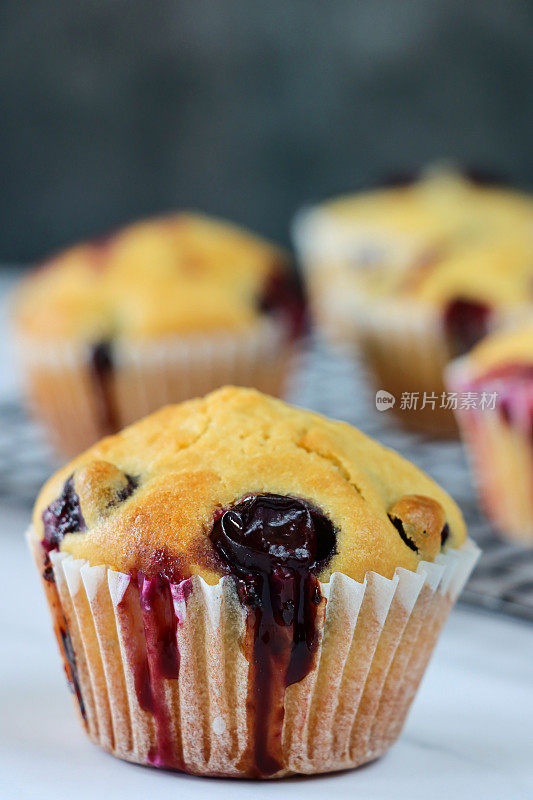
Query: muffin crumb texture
181	274
440	239
149	496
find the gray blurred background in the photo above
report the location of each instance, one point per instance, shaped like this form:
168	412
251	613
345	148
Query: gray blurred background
114	109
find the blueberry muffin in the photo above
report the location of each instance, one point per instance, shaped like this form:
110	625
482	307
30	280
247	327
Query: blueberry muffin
494	388
159	312
242	588
416	274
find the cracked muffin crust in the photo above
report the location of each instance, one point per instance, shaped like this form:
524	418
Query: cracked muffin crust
147	498
416	274
178	274
432	240
159	312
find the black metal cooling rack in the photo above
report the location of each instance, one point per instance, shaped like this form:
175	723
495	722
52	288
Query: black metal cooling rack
26	458
329	382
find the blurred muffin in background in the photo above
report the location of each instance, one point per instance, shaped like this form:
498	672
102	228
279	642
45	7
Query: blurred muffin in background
494	383
417	274
161	311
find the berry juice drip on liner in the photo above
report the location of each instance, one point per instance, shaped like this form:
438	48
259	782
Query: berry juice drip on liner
274	546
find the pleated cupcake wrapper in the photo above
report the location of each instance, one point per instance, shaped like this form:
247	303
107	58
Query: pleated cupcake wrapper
403	339
146	376
405	348
376	638
323	245
403	342
499	449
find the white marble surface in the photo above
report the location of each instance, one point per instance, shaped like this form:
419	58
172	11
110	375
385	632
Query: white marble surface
469	735
9	377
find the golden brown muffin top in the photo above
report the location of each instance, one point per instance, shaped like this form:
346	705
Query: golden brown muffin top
433	240
511	347
147	498
181	274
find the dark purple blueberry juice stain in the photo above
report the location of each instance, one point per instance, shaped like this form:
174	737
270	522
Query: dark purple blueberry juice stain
151	642
102	371
444	535
48	570
61	629
274	546
505	409
71	668
283	294
62	516
162	663
465	323
161	623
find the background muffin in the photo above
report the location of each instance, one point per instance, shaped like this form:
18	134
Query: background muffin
161	311
495	414
243	588
417	274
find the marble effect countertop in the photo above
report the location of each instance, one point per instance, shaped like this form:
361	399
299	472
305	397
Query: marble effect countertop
469	734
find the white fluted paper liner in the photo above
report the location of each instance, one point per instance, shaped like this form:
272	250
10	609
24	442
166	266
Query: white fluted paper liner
402	338
499	450
146	376
328	245
403	342
376	638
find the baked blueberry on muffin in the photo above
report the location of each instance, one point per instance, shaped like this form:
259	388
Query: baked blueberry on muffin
243	588
161	311
494	385
417	274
